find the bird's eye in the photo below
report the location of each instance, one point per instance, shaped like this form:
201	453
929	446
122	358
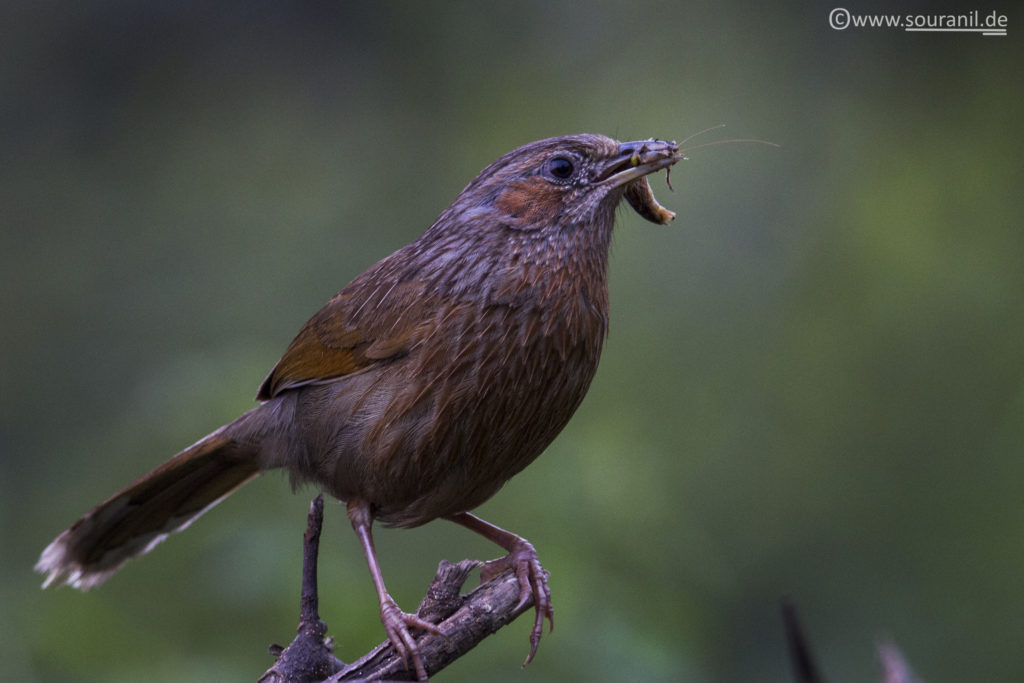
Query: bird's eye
560	167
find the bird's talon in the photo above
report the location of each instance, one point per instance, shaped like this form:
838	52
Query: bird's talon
533	584
396	625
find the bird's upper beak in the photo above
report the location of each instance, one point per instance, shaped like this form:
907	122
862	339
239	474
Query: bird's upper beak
637	159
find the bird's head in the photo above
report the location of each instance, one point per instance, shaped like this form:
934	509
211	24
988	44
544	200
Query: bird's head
574	180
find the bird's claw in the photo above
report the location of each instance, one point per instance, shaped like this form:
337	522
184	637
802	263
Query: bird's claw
533	583
396	625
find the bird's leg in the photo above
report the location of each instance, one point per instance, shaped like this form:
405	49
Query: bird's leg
396	622
522	557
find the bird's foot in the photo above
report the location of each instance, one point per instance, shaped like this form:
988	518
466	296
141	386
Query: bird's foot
397	624
533	583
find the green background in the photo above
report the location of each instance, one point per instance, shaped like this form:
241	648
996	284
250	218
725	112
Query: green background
813	387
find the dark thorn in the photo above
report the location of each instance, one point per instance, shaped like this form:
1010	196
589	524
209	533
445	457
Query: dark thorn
804	668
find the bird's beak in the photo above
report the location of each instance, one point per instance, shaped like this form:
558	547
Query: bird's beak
637	159
629	168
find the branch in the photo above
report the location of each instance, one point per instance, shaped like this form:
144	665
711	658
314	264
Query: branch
465	620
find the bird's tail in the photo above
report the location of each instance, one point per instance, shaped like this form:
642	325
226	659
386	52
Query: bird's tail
138	517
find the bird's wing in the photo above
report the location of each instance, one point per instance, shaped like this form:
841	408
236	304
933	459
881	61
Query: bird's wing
363	325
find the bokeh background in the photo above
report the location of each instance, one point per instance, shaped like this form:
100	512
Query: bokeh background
814	383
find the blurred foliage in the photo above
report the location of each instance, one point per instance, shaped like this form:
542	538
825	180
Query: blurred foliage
813	387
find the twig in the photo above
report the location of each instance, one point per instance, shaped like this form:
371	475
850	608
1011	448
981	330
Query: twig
309	657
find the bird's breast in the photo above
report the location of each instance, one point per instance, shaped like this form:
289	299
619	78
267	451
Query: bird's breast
483	400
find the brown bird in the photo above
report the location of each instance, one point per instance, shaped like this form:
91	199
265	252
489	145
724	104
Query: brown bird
428	381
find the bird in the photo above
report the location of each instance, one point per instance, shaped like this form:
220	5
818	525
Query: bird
427	382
